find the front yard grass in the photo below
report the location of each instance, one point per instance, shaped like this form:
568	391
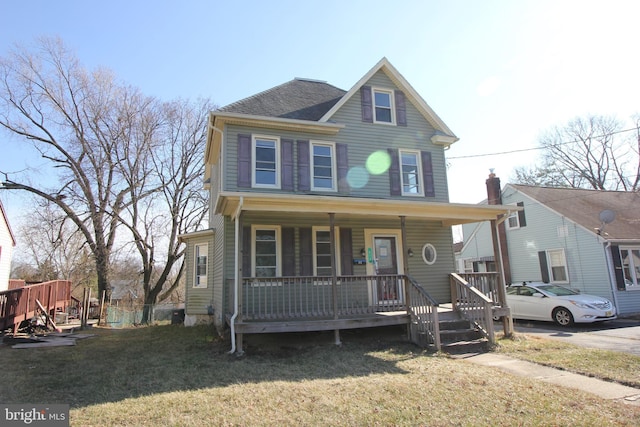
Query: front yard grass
177	376
608	365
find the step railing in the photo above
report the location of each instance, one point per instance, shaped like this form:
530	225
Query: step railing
17	305
424	328
472	305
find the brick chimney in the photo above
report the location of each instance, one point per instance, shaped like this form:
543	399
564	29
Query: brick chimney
494	197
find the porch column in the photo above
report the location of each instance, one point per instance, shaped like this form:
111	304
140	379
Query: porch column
507	321
334	277
405	263
239	279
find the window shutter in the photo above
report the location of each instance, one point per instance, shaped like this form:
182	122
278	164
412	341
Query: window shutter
394	173
544	267
304	171
617	267
342	160
306	252
244	161
246	251
522	220
288	251
367	104
286	153
427	174
346	252
401	108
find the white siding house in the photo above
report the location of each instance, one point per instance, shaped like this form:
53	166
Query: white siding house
7	242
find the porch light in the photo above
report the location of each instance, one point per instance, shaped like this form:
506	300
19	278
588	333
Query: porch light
363	253
410	252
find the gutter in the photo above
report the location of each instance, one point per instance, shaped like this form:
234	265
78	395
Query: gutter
232	321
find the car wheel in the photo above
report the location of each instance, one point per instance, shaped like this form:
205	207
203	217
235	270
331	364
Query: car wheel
562	316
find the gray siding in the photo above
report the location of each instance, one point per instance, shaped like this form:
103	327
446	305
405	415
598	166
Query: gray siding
198	299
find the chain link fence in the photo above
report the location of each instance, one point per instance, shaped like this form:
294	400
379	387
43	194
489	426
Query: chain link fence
124	317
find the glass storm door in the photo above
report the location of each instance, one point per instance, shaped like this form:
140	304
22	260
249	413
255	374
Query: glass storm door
386	263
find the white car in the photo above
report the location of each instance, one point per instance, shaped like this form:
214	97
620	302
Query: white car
545	301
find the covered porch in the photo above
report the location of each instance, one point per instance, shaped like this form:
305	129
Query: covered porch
371	294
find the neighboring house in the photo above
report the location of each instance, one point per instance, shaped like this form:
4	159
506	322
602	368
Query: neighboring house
584	239
7	242
322	202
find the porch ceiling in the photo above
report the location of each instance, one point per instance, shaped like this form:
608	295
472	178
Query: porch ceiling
229	203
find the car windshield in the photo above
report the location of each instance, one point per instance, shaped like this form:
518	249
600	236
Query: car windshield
557	291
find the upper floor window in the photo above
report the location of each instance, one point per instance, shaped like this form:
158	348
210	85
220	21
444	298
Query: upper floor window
383	106
266	166
411	172
201	252
516	219
266	251
323	166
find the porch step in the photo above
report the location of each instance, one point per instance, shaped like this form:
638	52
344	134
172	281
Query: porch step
459	337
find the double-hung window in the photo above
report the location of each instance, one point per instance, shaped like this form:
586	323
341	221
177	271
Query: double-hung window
323	166
266	251
557	266
266	166
322	251
383	106
630	258
411	171
200	271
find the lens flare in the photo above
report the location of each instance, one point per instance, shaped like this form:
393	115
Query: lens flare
378	163
357	177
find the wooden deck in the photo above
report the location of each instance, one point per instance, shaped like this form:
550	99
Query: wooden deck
20	304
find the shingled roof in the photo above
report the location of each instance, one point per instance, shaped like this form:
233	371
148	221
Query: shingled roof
584	207
300	99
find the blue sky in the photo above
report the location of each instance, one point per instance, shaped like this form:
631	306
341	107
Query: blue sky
497	72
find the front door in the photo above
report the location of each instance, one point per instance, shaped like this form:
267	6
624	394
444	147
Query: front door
385	258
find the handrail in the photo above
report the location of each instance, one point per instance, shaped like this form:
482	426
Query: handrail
487	283
424	328
473	305
20	304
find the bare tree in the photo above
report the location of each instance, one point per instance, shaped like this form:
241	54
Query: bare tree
81	123
590	152
176	162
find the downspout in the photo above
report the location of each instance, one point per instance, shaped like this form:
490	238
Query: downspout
612	274
236	277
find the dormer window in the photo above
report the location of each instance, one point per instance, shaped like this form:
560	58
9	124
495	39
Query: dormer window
383	106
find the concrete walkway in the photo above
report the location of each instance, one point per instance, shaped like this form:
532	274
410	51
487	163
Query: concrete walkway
604	389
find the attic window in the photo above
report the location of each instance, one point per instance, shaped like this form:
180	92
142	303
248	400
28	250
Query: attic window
383	104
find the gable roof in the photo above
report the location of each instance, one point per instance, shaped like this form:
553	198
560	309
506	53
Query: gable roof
385	66
6	221
584	207
301	99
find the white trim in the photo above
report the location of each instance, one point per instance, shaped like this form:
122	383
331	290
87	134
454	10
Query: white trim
435	254
392	106
315	229
334	167
254	159
277	229
564	265
634	271
200	281
418	155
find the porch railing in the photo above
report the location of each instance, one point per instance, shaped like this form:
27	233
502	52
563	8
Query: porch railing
487	283
472	305
424	329
20	304
311	297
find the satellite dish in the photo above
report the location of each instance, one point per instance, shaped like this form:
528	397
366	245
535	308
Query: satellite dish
607	216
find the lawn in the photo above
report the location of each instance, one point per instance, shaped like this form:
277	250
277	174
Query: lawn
175	376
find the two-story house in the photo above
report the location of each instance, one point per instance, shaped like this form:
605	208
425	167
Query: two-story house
327	209
588	240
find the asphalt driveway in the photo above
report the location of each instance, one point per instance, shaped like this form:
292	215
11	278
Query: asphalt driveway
617	335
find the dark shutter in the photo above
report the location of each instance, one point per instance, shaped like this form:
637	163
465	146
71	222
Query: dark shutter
394	173
617	267
306	252
288	251
367	105
342	160
304	172
244	161
427	174
522	220
286	151
246	251
346	252
401	109
544	267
